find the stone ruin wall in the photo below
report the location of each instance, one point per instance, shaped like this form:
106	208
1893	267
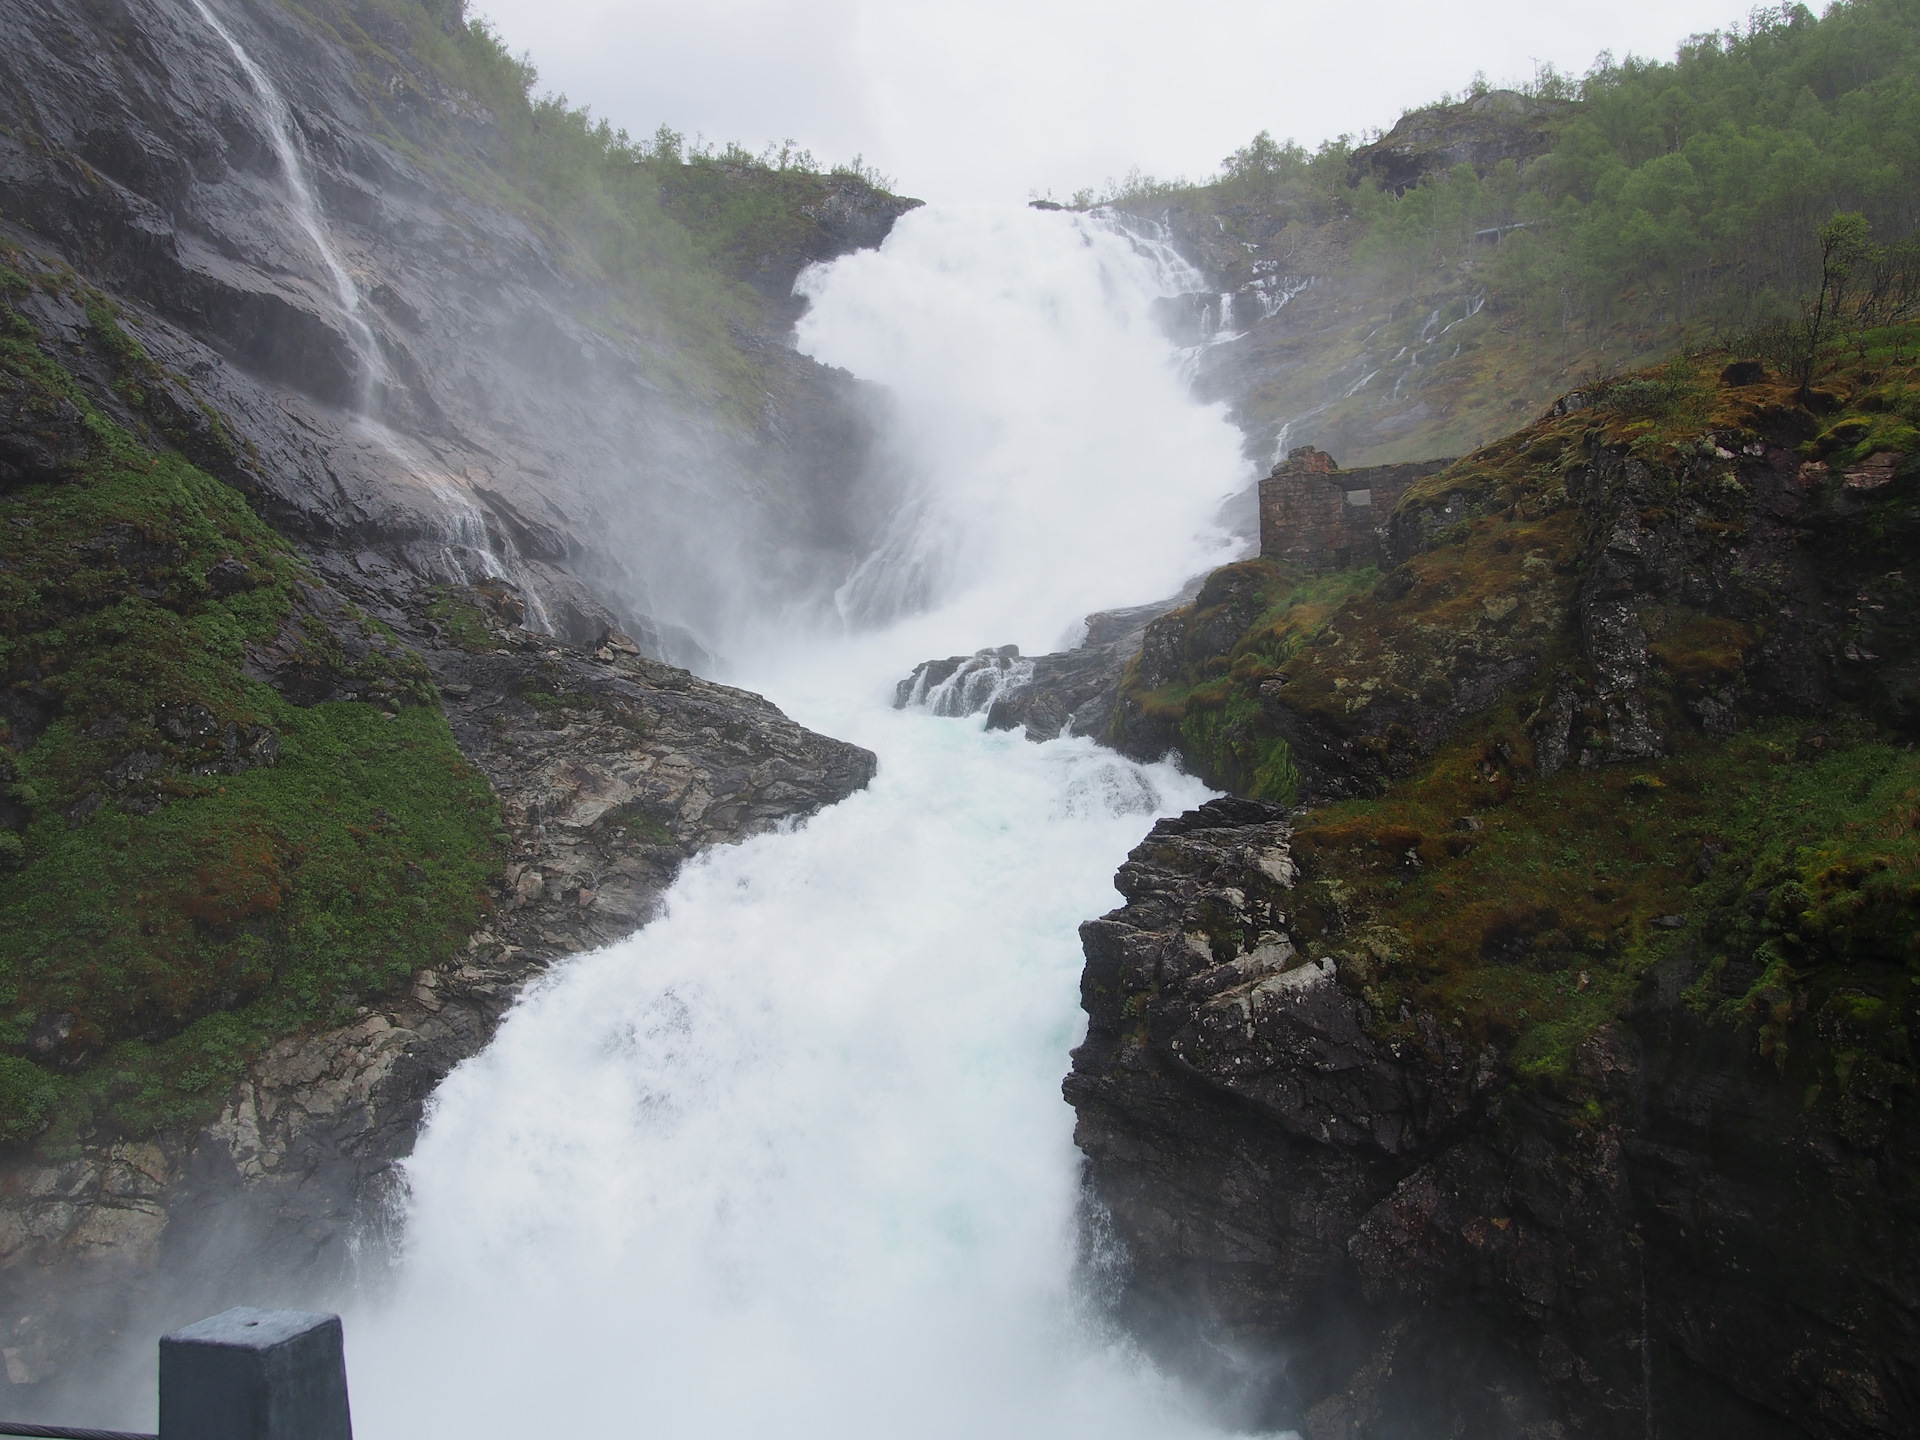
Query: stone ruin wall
1315	516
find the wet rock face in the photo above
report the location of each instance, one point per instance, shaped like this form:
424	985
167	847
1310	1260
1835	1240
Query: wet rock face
612	770
1354	1224
133	148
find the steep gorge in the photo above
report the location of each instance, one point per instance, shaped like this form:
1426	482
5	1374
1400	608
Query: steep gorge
338	474
1548	1074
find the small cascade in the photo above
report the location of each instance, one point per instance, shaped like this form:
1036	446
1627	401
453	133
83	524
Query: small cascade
1153	242
1275	292
1224	321
467	553
1283	440
966	687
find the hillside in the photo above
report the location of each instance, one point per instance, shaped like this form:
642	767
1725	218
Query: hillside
1423	293
372	433
1572	1011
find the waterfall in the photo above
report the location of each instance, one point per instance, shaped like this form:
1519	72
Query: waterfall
974	685
306	213
463	544
1057	464
793	1158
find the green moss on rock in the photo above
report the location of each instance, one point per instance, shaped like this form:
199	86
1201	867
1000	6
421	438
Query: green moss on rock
202	861
1494	845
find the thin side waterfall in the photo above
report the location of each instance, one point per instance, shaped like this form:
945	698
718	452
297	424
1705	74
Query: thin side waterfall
306	212
793	1159
466	550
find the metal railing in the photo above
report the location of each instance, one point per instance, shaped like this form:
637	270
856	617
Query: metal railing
243	1374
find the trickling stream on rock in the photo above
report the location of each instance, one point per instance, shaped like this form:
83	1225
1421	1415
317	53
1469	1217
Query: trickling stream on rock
793	1159
462	546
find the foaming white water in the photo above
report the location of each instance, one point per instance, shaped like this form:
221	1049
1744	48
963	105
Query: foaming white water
793	1159
1058	463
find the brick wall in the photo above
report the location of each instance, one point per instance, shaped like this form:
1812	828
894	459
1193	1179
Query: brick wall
1316	516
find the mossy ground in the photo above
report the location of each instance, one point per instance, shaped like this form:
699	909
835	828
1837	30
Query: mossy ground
1780	863
1528	913
1211	708
199	864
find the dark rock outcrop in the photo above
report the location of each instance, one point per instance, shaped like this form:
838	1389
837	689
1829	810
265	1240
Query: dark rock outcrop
1483	131
1070	692
1354	1223
1632	593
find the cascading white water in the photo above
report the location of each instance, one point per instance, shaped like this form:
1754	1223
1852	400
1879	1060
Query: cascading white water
465	544
793	1159
1057	463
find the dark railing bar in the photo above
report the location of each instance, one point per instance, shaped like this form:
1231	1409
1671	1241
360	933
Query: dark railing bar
243	1374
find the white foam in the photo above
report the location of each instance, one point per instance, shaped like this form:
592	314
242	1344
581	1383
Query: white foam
794	1160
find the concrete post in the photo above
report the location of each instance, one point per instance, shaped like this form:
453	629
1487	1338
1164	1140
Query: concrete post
251	1374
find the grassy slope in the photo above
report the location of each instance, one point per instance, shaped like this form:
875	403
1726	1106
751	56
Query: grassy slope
1529	908
175	904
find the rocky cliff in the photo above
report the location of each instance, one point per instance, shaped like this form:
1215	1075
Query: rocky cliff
1349	1219
362	463
538	411
1311	336
1550	1074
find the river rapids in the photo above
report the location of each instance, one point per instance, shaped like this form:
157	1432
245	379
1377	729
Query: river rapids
793	1160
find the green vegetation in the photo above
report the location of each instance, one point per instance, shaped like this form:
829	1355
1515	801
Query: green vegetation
1691	191
1645	209
1209	706
675	230
461	622
1529	903
200	865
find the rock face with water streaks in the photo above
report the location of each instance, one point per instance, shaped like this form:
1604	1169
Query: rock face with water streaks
540	424
493	466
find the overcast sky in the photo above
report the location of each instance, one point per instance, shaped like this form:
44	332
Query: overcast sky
1001	98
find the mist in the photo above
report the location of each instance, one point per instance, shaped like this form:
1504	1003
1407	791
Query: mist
991	102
